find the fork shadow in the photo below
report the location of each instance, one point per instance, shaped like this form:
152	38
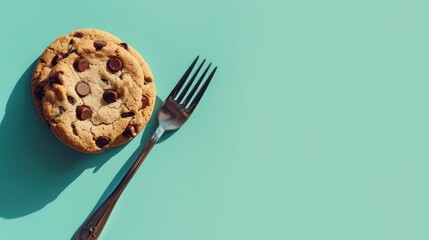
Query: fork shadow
35	167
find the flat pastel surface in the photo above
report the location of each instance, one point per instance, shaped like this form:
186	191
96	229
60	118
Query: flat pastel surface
315	125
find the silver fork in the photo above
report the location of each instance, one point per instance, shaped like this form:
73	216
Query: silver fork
173	114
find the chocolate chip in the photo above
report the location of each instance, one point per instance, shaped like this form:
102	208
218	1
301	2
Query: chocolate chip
81	64
114	64
56	59
147	80
74	129
102	141
124	45
110	96
99	44
56	78
127	114
83	112
145	102
78	34
39	92
130	131
82	89
71	100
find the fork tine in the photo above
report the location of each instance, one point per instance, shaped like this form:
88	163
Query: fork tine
188	85
182	80
201	92
194	89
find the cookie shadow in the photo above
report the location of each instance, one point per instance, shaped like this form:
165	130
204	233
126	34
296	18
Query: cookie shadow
35	167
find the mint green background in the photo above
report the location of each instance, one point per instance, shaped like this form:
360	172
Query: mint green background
315	126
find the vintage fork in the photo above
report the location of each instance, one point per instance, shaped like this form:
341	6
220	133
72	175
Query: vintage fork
174	112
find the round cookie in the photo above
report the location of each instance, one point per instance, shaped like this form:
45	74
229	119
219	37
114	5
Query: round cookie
93	93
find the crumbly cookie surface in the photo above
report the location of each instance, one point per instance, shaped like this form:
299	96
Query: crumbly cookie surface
93	90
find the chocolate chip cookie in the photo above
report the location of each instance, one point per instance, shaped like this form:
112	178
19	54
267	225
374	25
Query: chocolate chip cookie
93	90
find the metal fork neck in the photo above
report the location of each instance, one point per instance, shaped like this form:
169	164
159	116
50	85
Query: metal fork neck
93	226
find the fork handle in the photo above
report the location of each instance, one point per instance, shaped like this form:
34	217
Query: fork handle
92	227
